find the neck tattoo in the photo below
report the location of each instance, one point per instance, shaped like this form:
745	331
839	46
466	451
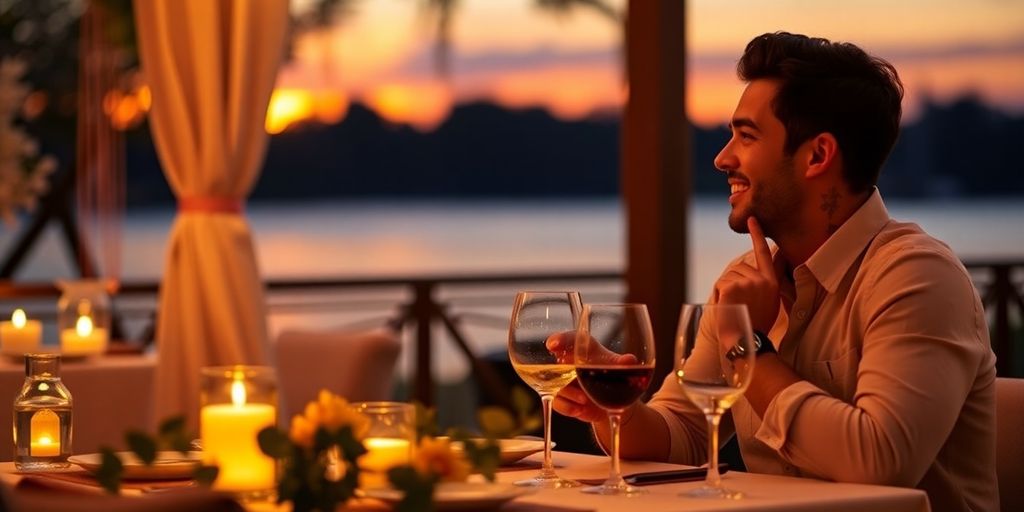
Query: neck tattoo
829	205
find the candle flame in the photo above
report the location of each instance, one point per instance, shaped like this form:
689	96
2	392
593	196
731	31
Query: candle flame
238	391
83	326
18	318
44	440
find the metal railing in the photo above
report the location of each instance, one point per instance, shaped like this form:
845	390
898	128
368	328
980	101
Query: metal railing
419	306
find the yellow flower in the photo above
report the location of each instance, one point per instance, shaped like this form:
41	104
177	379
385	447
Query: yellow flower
329	411
435	456
302	431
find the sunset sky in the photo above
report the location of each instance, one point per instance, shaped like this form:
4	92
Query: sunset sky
510	52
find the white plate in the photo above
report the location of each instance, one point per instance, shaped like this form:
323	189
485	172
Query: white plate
460	495
512	450
168	465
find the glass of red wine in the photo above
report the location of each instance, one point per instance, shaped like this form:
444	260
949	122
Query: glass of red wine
614	365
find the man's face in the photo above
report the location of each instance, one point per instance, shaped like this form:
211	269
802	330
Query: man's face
762	179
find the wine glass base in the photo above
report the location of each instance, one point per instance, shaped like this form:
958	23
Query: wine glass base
552	482
615	490
715	493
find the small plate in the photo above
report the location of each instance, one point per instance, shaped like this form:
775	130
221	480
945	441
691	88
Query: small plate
168	465
513	450
459	495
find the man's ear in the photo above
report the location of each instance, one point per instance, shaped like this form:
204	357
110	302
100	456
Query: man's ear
822	154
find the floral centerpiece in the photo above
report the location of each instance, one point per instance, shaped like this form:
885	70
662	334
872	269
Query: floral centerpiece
321	450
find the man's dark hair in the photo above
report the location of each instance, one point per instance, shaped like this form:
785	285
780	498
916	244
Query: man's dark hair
830	87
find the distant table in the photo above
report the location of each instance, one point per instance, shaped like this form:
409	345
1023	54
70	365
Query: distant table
110	394
763	492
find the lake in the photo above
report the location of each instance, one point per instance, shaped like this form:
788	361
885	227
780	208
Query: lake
340	239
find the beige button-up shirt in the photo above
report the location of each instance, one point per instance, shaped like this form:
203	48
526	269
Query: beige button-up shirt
889	335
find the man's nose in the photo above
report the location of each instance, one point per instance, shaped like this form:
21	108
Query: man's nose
726	160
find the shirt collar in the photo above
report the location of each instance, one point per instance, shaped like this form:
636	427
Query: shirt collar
832	260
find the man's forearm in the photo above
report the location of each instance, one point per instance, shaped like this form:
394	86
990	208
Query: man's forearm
771	376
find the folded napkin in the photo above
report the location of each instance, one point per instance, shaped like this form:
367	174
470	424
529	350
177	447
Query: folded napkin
72	498
82	482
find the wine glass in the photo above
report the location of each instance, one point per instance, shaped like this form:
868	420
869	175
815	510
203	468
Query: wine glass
614	366
715	362
537	316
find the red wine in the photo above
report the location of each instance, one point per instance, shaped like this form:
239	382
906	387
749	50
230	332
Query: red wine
614	387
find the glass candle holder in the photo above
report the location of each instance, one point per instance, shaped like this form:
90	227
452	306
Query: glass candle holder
83	317
42	416
236	402
389	441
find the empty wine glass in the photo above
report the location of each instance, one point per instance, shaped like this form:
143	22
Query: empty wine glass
714	364
614	366
536	316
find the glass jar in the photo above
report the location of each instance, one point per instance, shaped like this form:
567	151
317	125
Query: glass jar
83	317
236	402
390	440
42	416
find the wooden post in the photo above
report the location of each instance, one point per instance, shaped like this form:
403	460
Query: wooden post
656	155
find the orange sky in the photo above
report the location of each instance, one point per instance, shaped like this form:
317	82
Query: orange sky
509	52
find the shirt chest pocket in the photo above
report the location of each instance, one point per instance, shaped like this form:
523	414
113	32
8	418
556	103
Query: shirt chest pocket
838	377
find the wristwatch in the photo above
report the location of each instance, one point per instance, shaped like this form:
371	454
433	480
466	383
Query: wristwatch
762	344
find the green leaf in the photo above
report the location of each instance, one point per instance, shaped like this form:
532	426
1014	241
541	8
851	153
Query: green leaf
351	448
522	401
205	475
484	455
496	422
274	443
418	490
142	445
172	426
109	473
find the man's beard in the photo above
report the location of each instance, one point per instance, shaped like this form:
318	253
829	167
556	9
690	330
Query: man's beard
775	203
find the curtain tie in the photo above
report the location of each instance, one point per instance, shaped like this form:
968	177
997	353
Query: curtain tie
210	204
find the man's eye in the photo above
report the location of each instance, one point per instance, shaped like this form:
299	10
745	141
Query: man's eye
746	136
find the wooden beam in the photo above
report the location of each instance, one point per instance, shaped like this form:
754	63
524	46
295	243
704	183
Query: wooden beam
656	154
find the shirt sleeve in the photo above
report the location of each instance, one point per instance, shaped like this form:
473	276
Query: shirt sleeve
922	349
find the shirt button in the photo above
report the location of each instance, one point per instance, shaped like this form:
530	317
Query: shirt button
801	314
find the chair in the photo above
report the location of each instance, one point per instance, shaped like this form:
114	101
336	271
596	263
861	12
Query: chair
357	365
1009	442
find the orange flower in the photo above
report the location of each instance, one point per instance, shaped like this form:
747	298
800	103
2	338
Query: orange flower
435	456
329	411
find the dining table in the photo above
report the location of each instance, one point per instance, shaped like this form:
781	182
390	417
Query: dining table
760	492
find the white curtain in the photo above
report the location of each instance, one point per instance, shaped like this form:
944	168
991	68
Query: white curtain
211	66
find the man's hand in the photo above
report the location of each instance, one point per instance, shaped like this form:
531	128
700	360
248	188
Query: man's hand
572	401
756	286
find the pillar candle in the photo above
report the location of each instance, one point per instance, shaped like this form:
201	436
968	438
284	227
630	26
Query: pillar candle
228	435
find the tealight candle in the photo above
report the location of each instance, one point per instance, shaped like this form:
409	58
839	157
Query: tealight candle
389	440
228	434
45	434
84	339
20	335
382	454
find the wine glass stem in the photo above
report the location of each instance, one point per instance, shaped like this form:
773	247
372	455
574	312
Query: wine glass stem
615	478
713	479
546	400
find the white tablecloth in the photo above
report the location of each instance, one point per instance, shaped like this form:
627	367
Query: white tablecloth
110	395
763	492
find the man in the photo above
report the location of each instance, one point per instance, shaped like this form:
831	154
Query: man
875	365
